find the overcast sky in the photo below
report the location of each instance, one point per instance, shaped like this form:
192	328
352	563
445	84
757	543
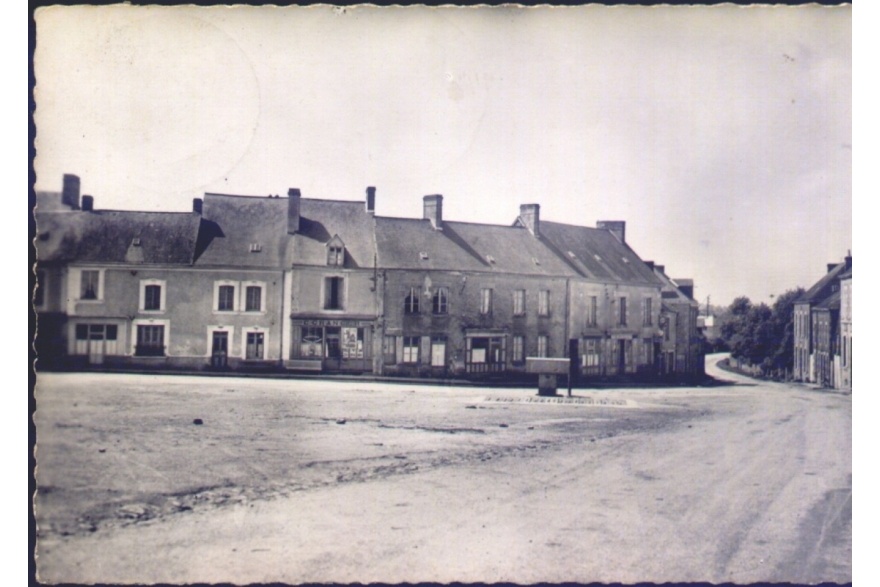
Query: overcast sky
722	135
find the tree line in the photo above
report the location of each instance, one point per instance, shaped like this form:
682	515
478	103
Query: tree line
762	336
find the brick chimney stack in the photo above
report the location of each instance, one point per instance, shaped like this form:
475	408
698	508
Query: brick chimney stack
88	203
70	191
197	206
293	204
530	216
371	200
615	227
433	210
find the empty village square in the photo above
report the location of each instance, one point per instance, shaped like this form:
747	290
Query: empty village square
332	481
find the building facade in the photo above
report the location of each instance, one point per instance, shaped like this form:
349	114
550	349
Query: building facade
818	329
302	284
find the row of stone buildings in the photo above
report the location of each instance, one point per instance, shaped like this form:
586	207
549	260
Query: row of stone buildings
256	282
823	329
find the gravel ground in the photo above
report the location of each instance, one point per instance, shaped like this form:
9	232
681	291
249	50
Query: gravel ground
299	481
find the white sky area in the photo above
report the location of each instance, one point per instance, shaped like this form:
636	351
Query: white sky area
721	135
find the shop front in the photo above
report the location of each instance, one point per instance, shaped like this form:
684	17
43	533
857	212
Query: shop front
339	344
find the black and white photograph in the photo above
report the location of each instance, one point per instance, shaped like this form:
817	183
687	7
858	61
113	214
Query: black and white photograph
361	294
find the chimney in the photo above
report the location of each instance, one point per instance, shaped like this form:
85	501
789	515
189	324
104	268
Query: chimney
197	206
88	203
615	227
660	268
70	191
650	265
530	216
433	207
848	260
293	197
831	267
371	200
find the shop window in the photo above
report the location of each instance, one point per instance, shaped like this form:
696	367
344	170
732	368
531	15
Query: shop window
438	351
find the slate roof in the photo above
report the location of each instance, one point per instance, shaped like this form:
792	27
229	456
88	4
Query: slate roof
105	236
463	246
231	224
822	288
669	290
832	302
321	220
597	254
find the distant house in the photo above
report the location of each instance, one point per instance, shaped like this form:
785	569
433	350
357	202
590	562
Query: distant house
301	284
681	346
846	329
817	328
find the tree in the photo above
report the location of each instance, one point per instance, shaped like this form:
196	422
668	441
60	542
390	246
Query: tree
761	335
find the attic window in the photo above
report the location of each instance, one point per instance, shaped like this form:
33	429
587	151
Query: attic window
490	258
570	254
598	258
336	255
423	255
135	242
256	247
535	259
624	259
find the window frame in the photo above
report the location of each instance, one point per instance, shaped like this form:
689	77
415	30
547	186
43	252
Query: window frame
647	311
519	302
593	312
99	286
621	311
408	355
246	344
148	285
543	348
544	302
327	293
260	288
218	288
412	301
518	349
485	301
440	301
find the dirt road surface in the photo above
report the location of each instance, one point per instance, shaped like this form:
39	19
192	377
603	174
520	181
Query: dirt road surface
327	481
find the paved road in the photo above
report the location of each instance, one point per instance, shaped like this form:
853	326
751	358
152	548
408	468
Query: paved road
740	483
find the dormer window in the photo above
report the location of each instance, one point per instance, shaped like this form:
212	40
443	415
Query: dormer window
256	247
490	258
336	252
423	255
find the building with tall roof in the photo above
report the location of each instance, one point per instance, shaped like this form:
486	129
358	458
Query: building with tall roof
817	328
304	284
